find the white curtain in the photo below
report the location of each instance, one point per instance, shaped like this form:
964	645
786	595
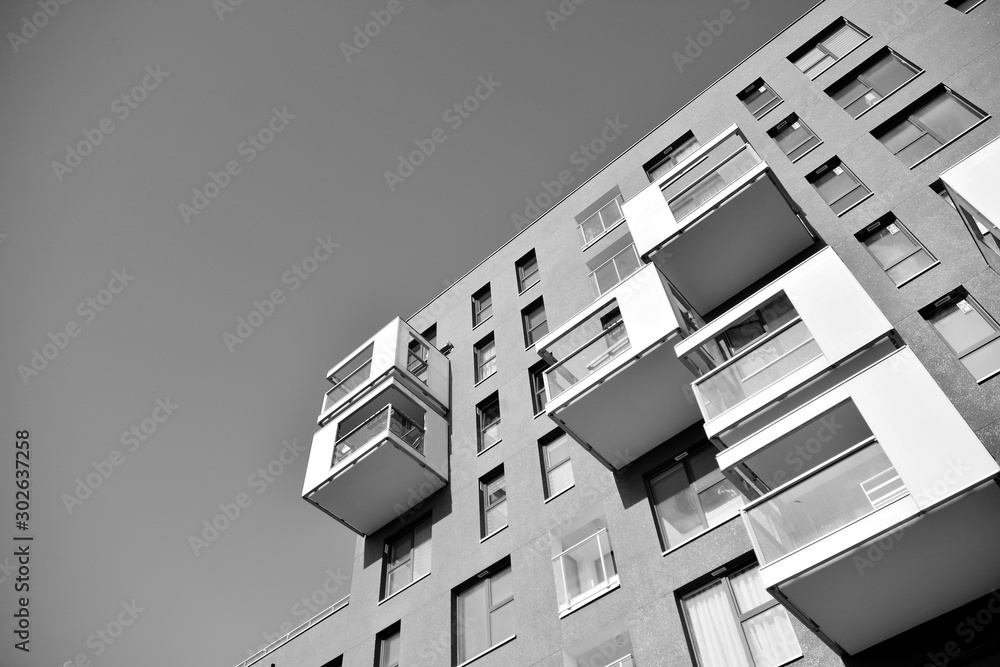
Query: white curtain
716	637
769	633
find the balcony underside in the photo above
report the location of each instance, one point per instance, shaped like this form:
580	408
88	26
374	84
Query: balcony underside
732	247
917	570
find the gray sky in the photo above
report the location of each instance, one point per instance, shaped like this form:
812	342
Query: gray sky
93	184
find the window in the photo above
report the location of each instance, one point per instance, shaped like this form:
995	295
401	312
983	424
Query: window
964	5
482	306
387	648
794	137
484	613
692	497
416	358
895	249
537	380
527	271
488	422
838	186
872	82
969	331
734	622
609	274
557	467
758	98
486	358
407	558
535	324
609	646
583	561
493	498
927	125
431	335
602	221
821	52
671	156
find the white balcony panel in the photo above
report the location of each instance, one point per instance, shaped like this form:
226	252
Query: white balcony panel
640	381
972	184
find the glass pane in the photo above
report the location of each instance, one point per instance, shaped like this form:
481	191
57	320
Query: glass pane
808	145
844	203
401	550
714	632
398	578
592	227
496	518
749	591
556	452
495	491
793	135
901	136
627	262
713	183
501	624
587	567
946	117
422	550
910	266
810	59
606	276
611	213
720	502
389	651
889	245
849	93
984	361
771	638
677	508
834	184
864	102
842	42
709	163
889	74
560	478
962	326
472	631
589	358
501	588
918	150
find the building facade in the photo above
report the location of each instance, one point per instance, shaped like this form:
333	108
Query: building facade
733	401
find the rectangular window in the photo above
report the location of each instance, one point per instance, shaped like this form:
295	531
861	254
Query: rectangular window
964	5
486	358
387	648
407	558
969	331
493	498
484	613
602	221
527	271
872	82
895	249
692	497
535	323
734	622
609	274
431	335
416	358
537	380
758	98
482	306
583	561
794	137
838	186
556	463
826	48
671	156
488	422
927	125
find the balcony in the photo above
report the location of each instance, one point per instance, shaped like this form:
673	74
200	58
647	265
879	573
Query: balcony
397	350
613	358
378	456
872	506
972	186
807	322
717	222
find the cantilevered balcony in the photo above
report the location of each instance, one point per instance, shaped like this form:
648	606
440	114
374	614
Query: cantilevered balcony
805	323
716	223
395	350
378	458
872	507
616	358
972	186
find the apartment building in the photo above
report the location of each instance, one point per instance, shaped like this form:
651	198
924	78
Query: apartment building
735	401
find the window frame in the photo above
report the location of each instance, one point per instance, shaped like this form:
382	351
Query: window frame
953	299
791	121
394	631
669	153
390	542
759	87
528	258
486	578
606	228
548	440
890	220
488	341
859	74
611	260
817	42
833	165
484	502
533	308
481	425
536	382
482	294
955	4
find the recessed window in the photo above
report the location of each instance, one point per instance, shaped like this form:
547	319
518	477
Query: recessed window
484	613
872	82
493	502
692	497
583	560
485	353
527	271
535	323
387	647
794	137
826	48
431	335
838	186
536	376
758	98
602	221
407	558
735	621
482	306
671	156
416	358
488	422
964	5
612	272
971	333
557	466
895	249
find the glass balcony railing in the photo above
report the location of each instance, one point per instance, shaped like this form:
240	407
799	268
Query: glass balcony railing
709	175
843	490
610	342
756	368
357	377
386	420
585	569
